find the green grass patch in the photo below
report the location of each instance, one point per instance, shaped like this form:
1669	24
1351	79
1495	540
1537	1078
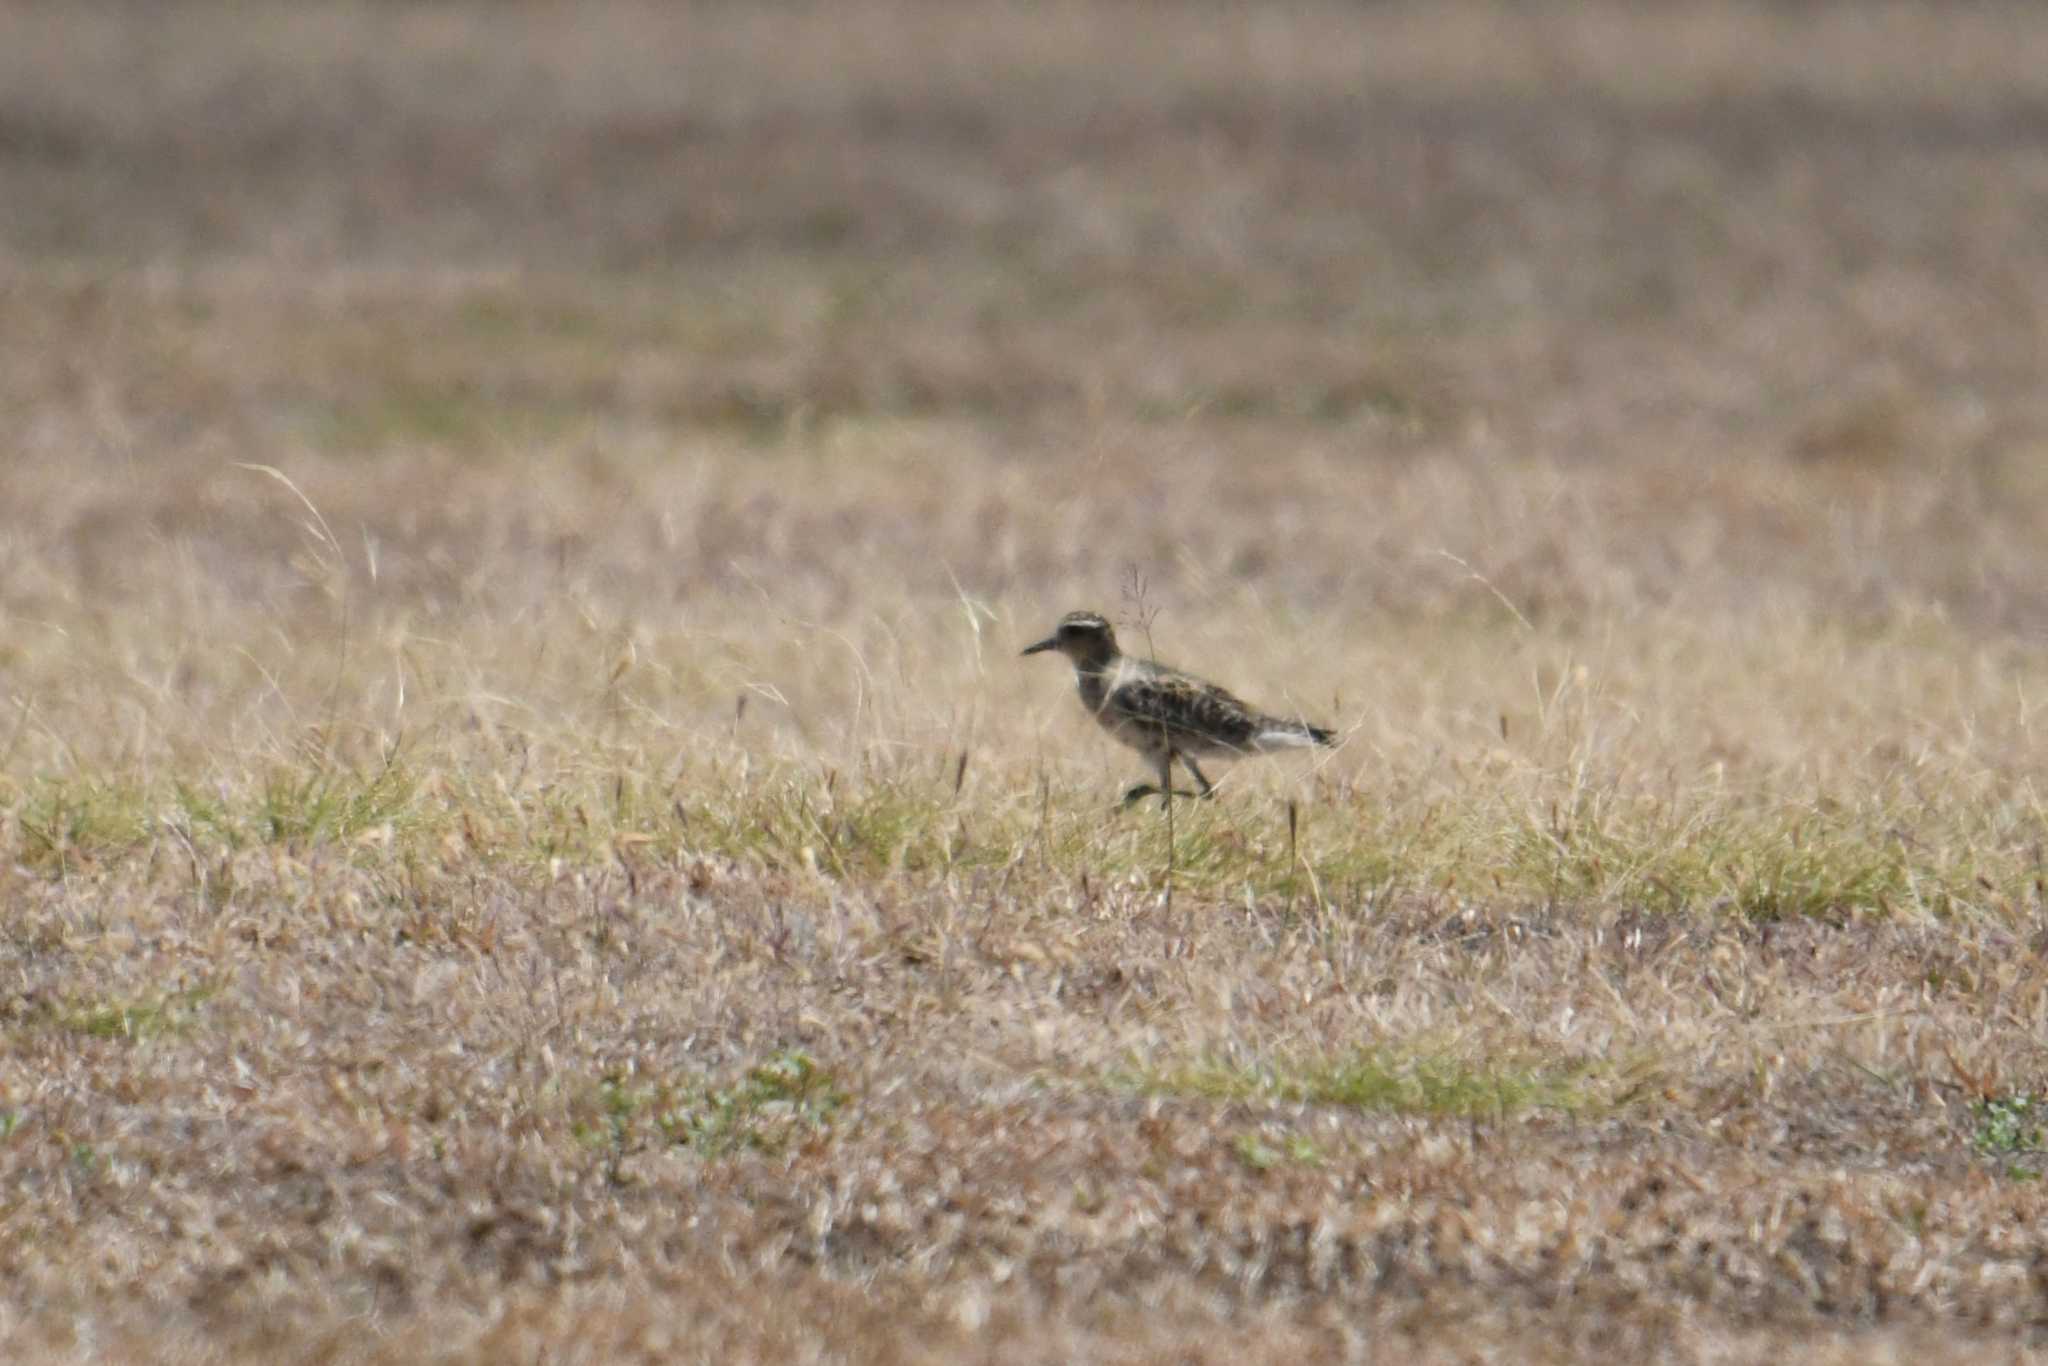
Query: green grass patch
309	807
1265	1152
448	416
777	1102
64	824
134	1021
2012	1128
1763	861
1755	859
1434	1084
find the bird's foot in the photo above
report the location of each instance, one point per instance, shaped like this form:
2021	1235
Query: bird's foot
1144	790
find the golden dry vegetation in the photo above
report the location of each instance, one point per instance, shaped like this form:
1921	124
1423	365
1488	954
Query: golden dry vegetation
523	835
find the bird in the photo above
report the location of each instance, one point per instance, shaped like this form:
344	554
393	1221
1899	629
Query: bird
1163	713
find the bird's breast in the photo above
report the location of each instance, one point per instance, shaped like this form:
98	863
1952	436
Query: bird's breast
1095	689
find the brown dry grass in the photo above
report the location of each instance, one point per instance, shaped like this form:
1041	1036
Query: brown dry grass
522	833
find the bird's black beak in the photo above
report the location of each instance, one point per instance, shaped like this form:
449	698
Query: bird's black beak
1048	643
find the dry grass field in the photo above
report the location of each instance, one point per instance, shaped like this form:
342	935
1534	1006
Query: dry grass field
524	835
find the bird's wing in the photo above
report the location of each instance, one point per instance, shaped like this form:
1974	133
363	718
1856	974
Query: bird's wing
1184	707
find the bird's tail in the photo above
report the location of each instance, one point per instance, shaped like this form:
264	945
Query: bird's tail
1276	733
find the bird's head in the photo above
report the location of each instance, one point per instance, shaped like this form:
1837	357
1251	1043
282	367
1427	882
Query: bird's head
1084	637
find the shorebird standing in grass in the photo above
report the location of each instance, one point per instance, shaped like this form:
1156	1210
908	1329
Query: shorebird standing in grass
1163	713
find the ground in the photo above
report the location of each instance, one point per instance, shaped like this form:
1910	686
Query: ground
524	835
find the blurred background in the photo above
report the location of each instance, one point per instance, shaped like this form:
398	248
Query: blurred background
673	320
516	524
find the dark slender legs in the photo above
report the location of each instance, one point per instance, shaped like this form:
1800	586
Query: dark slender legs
1165	784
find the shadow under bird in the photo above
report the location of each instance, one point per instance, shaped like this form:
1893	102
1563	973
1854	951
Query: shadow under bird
1163	713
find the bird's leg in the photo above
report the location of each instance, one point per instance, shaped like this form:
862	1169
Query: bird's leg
1165	788
1165	783
1187	761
